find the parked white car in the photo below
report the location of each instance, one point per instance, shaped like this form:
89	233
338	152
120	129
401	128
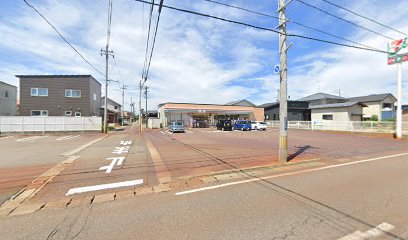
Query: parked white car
258	125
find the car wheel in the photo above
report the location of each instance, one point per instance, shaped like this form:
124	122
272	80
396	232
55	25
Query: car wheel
256	128
242	129
222	129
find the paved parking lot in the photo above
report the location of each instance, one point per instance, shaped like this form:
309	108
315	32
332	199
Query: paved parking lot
202	151
25	157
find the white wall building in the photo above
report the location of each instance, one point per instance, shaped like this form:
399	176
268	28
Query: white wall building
348	111
8	99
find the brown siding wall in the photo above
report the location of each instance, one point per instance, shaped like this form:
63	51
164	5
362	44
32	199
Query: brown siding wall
56	103
95	105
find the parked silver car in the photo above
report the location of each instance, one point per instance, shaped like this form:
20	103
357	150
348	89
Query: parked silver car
177	127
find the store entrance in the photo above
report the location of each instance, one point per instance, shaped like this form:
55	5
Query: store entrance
201	120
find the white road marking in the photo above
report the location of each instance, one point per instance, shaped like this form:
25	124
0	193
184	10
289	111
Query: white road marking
104	186
115	161
288	174
67	137
121	150
30	138
163	132
370	234
5	137
125	143
188	131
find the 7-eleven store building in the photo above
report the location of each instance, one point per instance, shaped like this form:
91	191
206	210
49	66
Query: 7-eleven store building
205	115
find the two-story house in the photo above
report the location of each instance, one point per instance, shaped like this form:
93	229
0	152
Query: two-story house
8	99
114	110
381	105
59	95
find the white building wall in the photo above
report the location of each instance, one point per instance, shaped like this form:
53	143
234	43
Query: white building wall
339	114
8	105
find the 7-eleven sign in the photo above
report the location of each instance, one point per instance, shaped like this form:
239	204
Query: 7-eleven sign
398	51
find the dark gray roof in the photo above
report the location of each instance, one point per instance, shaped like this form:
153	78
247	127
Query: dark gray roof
266	105
337	105
318	96
404	107
109	100
371	98
242	102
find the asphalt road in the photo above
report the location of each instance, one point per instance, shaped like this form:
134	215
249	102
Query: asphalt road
326	204
23	158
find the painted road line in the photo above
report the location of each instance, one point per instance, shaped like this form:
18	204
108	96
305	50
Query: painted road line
5	137
289	174
67	137
30	138
104	187
370	234
163	132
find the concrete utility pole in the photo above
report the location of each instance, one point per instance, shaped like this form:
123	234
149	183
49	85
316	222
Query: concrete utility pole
146	90
123	102
399	102
283	108
107	53
140	104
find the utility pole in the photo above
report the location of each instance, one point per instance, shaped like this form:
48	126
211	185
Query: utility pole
146	90
140	103
107	53
123	102
283	103
399	101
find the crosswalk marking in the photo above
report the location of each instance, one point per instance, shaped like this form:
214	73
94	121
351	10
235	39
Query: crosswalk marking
30	138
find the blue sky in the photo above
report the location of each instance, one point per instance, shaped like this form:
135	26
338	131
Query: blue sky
203	60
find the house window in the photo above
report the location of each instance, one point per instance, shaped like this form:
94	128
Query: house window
72	93
94	96
328	117
77	114
39	92
115	107
68	113
6	95
387	105
39	113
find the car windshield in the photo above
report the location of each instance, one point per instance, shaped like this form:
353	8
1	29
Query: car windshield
179	123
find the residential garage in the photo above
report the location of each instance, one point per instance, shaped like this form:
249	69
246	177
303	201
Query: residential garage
348	111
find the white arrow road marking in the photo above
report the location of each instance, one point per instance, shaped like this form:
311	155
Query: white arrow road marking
374	232
30	138
115	160
67	137
104	186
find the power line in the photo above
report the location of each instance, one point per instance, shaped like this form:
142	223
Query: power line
343	19
364	17
291	21
154	40
109	22
148	37
63	38
266	29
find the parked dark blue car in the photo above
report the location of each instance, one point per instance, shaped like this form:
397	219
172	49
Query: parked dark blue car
243	125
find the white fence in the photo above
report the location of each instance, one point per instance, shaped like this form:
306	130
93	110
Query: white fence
348	126
49	124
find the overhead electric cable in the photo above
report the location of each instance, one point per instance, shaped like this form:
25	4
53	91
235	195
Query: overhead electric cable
343	19
148	37
291	21
264	28
364	17
63	38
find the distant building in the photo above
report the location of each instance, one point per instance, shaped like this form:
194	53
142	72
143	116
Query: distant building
405	113
59	95
322	98
242	102
114	110
8	99
348	111
297	111
381	105
205	115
